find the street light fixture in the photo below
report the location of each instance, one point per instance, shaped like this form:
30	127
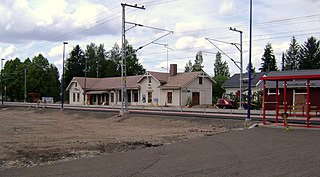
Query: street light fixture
62	79
166	46
241	67
2	59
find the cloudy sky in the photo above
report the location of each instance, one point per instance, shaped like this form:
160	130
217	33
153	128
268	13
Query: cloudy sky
30	27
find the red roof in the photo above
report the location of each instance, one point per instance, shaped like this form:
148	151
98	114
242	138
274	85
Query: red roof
290	78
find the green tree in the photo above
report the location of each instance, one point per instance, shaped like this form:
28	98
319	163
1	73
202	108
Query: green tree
268	60
310	54
221	74
253	69
132	62
75	65
221	68
217	88
42	78
197	66
114	55
133	65
188	67
13	77
291	59
283	61
91	56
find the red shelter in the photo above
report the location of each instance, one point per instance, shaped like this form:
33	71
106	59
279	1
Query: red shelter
305	77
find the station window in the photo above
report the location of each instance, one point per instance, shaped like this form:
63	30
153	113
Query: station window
149	97
169	95
200	80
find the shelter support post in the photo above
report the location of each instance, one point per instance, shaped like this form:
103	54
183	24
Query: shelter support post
264	102
277	101
308	103
284	99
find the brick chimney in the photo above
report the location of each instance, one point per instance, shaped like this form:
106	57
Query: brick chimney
173	69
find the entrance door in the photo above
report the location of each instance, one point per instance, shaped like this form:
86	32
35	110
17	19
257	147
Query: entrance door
107	98
195	98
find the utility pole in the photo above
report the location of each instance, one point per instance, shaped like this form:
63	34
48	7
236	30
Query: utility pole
124	99
62	79
241	66
249	72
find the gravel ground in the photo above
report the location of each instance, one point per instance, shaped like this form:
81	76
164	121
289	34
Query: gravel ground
31	137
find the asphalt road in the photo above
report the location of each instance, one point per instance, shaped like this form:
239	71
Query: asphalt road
255	152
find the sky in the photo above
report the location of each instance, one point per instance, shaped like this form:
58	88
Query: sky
30	27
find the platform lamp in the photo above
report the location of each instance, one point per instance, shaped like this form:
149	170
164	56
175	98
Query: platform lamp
62	79
2	59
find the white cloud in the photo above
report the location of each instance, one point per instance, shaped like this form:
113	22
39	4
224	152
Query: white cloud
226	7
55	54
185	42
188	26
82	17
9	52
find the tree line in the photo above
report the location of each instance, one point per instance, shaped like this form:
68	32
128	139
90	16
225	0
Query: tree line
297	57
42	78
96	62
38	75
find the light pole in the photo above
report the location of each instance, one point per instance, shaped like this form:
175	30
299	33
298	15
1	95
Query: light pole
85	82
241	67
62	78
25	84
2	81
249	71
166	46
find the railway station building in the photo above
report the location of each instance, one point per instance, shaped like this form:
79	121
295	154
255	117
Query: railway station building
152	88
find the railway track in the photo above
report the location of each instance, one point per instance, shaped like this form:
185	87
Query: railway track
181	112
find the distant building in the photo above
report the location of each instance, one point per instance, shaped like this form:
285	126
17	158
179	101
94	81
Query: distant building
233	84
152	88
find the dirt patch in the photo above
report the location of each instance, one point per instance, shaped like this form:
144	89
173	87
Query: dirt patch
30	137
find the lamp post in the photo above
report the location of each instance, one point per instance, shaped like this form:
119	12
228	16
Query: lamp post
25	84
62	78
241	67
166	46
1	82
85	82
249	71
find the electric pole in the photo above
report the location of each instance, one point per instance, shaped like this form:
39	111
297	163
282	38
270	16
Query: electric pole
124	96
241	66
